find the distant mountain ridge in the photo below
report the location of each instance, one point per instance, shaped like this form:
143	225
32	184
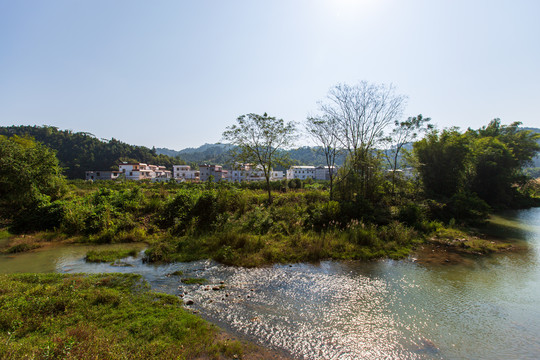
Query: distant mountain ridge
81	151
219	154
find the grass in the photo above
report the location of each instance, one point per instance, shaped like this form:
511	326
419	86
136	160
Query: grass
357	242
113	316
4	234
109	255
176	273
461	241
191	281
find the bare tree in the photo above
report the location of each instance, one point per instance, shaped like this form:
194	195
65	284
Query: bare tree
361	113
323	131
260	139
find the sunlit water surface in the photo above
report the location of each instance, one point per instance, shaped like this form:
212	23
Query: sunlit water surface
488	308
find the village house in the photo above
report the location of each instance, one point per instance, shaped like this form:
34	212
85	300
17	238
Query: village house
323	172
216	171
184	173
301	172
133	171
102	175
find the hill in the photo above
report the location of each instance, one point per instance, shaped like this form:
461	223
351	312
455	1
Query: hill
78	152
219	154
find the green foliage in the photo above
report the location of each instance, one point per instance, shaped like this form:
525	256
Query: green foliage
191	281
443	160
30	181
113	316
259	139
109	255
78	152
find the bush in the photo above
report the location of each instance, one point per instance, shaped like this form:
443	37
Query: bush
411	214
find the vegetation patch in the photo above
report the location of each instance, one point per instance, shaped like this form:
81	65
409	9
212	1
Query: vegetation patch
113	316
461	241
191	281
176	273
22	247
109	255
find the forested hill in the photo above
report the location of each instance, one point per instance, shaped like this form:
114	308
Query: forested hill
78	152
219	154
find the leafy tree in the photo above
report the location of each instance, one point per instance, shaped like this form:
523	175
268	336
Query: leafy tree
403	133
499	154
260	139
30	177
323	131
442	162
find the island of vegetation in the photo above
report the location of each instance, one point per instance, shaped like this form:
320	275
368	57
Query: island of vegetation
369	209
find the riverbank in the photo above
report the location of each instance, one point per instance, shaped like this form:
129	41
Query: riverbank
356	242
111	316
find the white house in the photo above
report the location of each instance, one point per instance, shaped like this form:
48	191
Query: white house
246	172
323	172
250	172
277	175
301	172
212	170
136	171
102	175
184	173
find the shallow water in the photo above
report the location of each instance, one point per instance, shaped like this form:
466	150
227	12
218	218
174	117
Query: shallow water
488	308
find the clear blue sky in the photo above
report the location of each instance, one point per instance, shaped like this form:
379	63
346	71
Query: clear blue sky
176	73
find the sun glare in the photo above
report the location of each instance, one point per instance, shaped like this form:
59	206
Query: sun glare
350	8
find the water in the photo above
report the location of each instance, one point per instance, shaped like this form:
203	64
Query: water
481	308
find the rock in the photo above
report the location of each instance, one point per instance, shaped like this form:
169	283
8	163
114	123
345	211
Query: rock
188	302
216	288
222	282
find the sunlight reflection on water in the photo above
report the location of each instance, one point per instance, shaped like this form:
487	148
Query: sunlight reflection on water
482	309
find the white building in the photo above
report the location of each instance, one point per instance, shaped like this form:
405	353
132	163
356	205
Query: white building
250	172
246	172
136	171
184	173
301	172
277	175
212	170
102	175
323	172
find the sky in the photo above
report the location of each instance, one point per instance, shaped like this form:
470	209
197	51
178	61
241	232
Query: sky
176	73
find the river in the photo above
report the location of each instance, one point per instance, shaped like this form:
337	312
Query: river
478	308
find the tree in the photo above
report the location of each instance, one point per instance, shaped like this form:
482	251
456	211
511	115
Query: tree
260	139
30	177
323	131
361	113
442	162
499	153
403	133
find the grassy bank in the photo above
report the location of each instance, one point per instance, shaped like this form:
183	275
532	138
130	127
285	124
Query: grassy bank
467	242
244	249
109	255
235	225
113	316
